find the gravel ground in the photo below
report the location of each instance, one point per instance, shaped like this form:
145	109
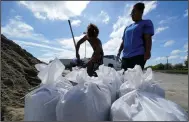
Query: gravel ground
176	87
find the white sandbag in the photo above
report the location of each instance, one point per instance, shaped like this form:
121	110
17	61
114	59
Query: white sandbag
85	102
112	79
40	104
144	106
135	79
72	76
40	67
121	75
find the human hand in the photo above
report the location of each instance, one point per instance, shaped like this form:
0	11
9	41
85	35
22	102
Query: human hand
118	55
87	64
147	55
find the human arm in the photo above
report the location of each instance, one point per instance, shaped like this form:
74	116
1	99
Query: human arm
148	46
148	33
78	45
120	49
122	44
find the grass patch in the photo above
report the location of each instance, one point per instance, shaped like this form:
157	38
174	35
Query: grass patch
173	71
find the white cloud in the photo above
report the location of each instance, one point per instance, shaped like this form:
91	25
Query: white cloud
173	57
24	43
160	58
76	23
16	28
65	54
160	29
18	17
186	13
69	44
149	6
169	43
49	52
55	10
112	46
186	47
66	49
45	50
101	17
168	19
174	52
183	57
104	16
40	16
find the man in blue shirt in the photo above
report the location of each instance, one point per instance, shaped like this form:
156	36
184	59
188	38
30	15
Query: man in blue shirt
137	40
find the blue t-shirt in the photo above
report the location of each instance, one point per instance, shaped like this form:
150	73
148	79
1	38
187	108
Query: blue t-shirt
133	38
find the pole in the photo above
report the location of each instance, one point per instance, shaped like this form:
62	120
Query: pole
167	61
72	33
85	49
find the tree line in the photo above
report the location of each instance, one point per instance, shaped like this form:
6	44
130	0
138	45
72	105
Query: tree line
170	66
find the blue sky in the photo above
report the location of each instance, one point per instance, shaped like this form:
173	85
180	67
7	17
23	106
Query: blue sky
43	30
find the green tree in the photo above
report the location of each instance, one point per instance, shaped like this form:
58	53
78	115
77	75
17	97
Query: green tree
160	66
186	63
170	66
178	66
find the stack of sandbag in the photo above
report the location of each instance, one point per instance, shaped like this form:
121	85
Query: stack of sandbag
87	101
142	100
40	104
91	98
108	75
134	79
112	79
73	74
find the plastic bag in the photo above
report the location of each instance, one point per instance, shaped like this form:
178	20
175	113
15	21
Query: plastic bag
136	79
121	75
85	102
50	73
40	67
112	79
40	104
144	106
72	76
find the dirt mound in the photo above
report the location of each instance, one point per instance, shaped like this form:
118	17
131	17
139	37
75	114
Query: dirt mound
18	76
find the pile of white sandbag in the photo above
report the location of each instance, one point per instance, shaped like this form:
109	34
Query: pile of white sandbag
110	96
40	104
58	100
141	99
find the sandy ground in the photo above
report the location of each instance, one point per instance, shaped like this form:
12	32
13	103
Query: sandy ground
175	86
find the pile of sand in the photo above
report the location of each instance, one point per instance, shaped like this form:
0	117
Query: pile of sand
18	76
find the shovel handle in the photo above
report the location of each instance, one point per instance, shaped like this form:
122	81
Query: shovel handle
72	33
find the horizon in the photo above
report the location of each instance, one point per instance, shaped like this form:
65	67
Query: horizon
42	29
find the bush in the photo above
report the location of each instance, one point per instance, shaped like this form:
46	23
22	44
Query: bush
178	66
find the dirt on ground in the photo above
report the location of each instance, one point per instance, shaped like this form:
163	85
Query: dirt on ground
18	76
175	86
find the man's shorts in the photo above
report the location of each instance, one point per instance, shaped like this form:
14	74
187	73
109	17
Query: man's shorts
94	66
